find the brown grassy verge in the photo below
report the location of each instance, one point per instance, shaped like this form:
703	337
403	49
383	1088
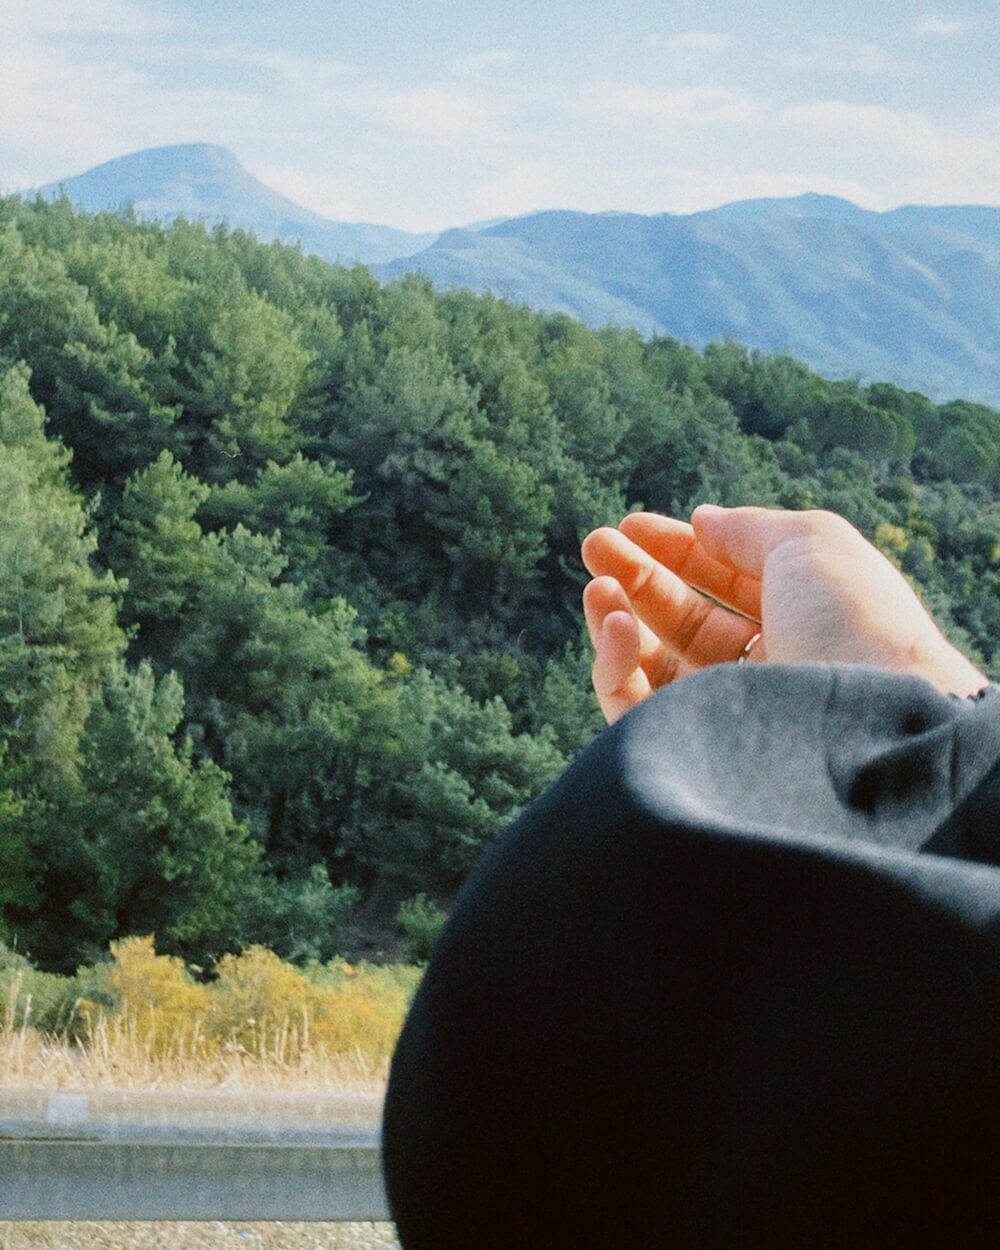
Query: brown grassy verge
142	1022
116	1059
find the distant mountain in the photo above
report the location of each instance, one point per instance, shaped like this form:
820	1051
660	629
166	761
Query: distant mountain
830	207
485	260
207	183
911	295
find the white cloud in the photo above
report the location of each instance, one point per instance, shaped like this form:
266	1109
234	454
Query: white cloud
674	159
907	134
56	109
941	27
88	80
74	90
295	69
691	40
74	100
526	187
629	102
330	194
441	113
120	19
477	62
839	56
922	160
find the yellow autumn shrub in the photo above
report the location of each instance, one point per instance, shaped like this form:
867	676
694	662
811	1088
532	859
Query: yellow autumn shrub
259	1021
356	1012
258	1001
156	1003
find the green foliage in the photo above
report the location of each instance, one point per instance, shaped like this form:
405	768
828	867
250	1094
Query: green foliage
303	918
452	776
28	997
421	920
17	868
58	631
158	544
299	500
145	836
240	384
94	378
54	608
879	434
565	702
289	569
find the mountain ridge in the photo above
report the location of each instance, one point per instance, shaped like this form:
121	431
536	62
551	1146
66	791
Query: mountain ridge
909	294
207	182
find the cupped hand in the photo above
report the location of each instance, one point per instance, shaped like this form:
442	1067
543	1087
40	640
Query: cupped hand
670	598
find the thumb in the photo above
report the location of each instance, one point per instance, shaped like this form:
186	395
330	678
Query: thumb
743	538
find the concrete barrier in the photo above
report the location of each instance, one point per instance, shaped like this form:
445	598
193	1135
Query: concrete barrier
193	1156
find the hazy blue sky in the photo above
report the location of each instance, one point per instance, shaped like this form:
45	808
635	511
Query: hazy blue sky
425	113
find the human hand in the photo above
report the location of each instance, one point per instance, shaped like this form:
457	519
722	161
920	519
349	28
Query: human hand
814	587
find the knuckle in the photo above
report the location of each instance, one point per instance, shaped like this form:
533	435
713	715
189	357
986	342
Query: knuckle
828	524
641	577
663	671
691	622
734	586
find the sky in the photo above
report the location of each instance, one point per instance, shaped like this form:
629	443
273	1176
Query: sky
424	114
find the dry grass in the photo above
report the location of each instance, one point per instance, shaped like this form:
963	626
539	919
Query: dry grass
114	1058
260	1025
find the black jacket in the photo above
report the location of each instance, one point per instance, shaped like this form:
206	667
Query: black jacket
731	982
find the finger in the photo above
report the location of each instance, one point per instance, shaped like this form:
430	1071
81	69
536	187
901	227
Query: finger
619	681
691	626
604	595
745	537
601	596
674	545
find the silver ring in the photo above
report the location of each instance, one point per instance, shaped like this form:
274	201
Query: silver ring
747	649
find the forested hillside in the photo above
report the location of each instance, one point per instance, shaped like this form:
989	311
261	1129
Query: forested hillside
289	573
911	295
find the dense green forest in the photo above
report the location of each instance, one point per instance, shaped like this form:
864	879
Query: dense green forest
289	571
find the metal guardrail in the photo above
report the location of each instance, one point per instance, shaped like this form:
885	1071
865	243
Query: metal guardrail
193	1156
